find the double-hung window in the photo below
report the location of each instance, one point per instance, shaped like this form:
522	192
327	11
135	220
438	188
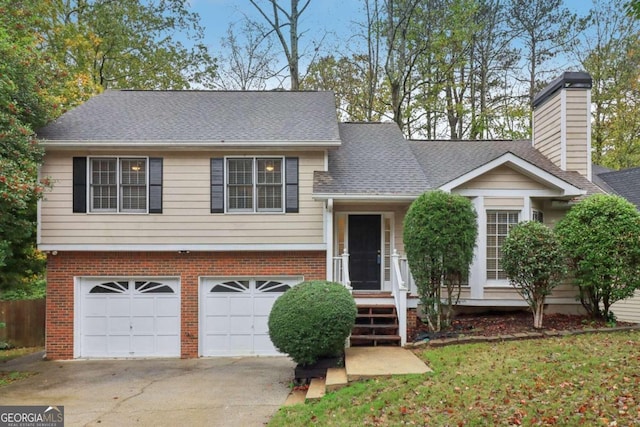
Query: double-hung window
499	223
255	184
118	184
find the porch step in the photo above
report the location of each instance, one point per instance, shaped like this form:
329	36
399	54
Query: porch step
361	363
376	325
296	397
317	389
336	378
371	295
375	340
377	316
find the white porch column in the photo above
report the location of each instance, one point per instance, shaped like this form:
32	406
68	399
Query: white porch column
526	214
328	221
477	272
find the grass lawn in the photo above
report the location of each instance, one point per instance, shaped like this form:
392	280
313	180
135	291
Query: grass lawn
7	377
591	380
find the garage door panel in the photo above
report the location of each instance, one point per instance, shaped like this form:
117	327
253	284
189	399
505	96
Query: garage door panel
217	324
215	345
129	318
167	305
217	306
166	344
118	306
118	326
95	325
234	317
167	326
241	325
262	306
143	325
96	344
119	345
94	307
143	306
238	305
242	344
264	346
143	345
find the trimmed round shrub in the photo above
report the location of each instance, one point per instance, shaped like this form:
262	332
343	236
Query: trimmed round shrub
601	236
312	320
535	264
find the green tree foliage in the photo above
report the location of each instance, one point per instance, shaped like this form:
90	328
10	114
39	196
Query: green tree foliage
127	44
633	8
440	233
312	320
26	102
347	78
533	259
601	236
609	52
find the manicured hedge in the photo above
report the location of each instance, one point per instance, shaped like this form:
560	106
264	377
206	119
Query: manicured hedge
312	320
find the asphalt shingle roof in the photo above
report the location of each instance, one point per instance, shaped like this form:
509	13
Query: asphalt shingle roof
444	161
199	116
625	183
374	159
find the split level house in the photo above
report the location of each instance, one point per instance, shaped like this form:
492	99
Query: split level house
176	218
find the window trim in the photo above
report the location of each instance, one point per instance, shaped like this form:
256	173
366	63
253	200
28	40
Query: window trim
491	281
537	215
118	210
254	175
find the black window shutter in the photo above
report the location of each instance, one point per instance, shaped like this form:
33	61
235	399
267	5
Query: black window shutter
291	185
217	185
79	184
155	185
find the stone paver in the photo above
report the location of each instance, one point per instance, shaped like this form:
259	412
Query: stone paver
369	362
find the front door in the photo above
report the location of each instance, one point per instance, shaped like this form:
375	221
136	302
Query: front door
364	251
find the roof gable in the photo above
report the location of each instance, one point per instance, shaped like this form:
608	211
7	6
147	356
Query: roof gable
504	177
523	167
449	164
219	117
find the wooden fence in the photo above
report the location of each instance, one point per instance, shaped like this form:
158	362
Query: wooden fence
24	322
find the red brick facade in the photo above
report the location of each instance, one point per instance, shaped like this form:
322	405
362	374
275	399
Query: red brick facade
63	267
412	323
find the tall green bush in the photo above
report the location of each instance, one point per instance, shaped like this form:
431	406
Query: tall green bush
534	262
312	320
440	231
601	236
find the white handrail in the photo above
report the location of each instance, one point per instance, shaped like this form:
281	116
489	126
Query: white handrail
406	273
341	270
399	291
346	278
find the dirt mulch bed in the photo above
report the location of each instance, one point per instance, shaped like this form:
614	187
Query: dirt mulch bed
509	323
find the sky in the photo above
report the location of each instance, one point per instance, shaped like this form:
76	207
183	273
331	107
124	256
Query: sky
337	17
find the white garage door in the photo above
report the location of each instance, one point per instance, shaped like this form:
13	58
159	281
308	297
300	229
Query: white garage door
129	318
234	315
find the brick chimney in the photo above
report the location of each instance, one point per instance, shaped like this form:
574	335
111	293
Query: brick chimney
562	122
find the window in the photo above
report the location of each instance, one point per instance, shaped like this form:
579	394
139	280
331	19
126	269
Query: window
255	184
118	185
498	225
537	215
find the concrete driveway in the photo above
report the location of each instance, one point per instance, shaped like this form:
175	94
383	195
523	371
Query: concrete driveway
244	391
